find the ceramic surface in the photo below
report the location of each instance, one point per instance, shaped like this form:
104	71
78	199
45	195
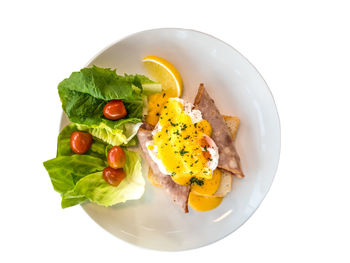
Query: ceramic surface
238	89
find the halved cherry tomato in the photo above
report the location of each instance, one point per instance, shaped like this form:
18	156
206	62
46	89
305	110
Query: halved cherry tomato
80	142
116	157
113	176
114	110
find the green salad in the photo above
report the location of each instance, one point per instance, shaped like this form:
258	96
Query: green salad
92	161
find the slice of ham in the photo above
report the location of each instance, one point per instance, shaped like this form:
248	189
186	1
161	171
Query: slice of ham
178	193
228	156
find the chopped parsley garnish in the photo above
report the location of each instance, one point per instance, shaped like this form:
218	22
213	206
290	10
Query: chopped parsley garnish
195	125
172	124
195	180
165	107
177	132
187	137
157	114
205	148
210	159
184	127
163	95
183	152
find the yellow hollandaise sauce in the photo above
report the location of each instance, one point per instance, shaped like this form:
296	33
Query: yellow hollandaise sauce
179	143
203	203
201	196
155	105
207	186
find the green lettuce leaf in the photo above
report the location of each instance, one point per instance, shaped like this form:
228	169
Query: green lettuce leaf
67	168
69	199
146	85
84	95
66	171
63	144
118	134
94	188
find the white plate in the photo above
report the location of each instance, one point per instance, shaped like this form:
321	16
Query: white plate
238	89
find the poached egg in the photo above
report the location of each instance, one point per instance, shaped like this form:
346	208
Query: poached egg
181	144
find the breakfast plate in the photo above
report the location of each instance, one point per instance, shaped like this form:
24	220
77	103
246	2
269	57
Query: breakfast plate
237	89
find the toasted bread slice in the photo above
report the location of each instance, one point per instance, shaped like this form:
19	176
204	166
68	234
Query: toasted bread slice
232	123
226	177
225	184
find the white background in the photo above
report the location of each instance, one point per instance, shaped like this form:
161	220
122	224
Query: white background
301	48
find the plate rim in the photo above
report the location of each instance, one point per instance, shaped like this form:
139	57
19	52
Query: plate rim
278	140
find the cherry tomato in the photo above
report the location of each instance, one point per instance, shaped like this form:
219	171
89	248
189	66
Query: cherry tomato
116	157
113	176
80	142
114	110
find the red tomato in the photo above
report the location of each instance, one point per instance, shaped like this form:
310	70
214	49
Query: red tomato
80	142
113	176
114	110
116	157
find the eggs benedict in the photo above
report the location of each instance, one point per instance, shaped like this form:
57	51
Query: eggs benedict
185	152
181	145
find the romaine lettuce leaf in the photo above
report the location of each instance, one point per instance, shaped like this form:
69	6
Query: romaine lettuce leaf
118	134
94	188
84	95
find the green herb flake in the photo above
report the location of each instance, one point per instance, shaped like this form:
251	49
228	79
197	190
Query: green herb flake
183	152
195	180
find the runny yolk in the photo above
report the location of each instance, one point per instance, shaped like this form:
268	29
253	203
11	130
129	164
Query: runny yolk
179	144
203	203
208	186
